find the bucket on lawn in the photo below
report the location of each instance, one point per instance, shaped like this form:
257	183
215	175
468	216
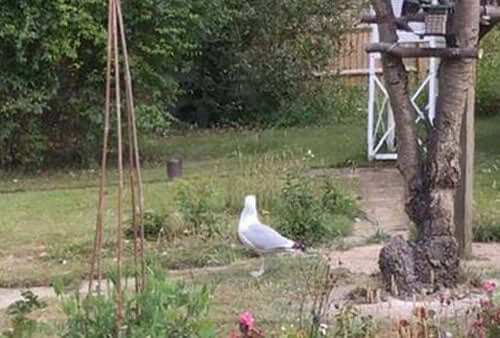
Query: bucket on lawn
174	168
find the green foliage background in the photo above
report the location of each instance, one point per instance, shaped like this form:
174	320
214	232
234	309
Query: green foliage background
53	62
212	63
488	76
236	60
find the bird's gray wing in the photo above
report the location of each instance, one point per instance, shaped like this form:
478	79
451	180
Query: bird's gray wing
263	237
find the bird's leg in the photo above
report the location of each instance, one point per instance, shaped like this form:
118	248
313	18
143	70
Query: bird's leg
261	269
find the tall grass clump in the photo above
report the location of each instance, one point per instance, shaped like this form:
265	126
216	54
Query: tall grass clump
486	233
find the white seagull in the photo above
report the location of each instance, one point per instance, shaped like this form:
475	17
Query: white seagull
260	237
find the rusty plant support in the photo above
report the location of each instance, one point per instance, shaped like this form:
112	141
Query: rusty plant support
133	179
119	291
135	145
96	256
116	31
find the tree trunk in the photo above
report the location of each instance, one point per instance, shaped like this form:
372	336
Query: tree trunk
431	177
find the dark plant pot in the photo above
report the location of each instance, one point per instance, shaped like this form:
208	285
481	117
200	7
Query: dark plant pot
174	168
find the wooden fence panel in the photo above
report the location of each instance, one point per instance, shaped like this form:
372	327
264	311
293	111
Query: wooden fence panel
352	63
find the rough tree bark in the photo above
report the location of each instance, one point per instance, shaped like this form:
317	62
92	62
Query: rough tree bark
431	175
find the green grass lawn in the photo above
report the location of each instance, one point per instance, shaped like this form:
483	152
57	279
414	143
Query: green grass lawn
487	172
48	219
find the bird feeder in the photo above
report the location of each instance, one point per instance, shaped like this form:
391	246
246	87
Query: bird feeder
436	19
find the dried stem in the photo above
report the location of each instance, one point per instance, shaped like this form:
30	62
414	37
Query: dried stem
130	105
96	254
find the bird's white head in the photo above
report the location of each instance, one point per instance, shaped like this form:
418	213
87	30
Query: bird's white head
250	202
249	213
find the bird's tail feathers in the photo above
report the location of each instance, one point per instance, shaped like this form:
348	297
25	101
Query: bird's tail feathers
299	246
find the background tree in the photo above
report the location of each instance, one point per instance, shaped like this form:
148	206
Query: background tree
52	61
238	61
431	172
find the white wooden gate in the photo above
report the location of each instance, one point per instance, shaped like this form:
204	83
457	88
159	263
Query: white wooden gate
381	127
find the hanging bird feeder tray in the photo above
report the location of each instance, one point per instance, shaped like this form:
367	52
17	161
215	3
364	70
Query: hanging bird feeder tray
436	20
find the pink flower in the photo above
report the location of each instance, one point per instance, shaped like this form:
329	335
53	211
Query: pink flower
477	329
246	319
489	286
485	302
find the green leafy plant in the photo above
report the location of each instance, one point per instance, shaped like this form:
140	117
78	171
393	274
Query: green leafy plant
88	318
488	78
323	101
301	218
23	326
155	225
337	202
52	61
26	305
168	309
310	218
349	323
251	66
198	206
235	62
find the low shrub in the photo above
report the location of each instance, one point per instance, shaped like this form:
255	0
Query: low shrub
337	202
22	325
488	78
167	309
325	101
348	322
155	225
310	218
199	208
